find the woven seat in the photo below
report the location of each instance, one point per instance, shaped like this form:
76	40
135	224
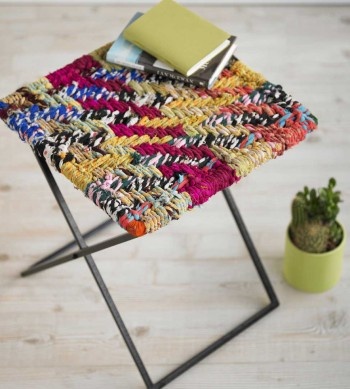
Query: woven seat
146	149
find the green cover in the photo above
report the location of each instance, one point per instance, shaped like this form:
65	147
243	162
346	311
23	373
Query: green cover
310	272
175	35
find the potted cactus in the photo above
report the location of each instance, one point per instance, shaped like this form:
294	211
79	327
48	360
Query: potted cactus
315	240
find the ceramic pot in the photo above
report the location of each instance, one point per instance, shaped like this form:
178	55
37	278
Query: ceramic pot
311	272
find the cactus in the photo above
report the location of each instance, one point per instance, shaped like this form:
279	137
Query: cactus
299	214
312	237
314	227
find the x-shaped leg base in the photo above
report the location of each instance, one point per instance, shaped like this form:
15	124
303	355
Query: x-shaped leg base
86	251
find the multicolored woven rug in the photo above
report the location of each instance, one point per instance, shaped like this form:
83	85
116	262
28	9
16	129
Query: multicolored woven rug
146	149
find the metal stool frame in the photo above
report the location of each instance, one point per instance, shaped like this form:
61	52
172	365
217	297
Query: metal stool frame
85	251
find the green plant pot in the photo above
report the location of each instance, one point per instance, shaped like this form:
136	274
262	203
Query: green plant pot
311	272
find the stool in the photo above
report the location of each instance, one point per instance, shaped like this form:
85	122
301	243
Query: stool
146	149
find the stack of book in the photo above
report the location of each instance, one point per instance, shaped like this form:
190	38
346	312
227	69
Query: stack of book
171	41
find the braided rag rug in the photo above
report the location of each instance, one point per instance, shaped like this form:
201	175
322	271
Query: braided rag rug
146	149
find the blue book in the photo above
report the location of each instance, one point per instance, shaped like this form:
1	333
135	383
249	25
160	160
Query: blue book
125	53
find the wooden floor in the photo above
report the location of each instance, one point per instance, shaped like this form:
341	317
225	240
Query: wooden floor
184	286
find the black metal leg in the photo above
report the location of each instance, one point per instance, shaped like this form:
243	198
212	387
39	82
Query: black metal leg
50	261
94	270
73	243
250	247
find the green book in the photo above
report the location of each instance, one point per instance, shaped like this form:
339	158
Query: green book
177	36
